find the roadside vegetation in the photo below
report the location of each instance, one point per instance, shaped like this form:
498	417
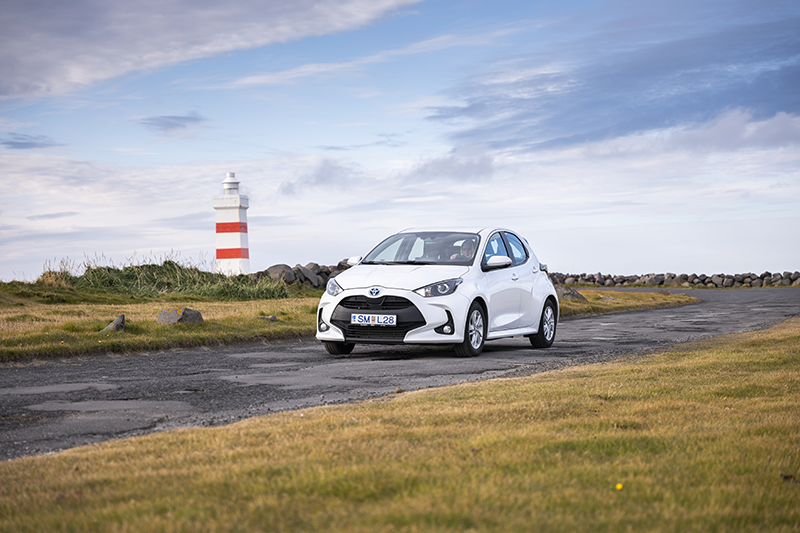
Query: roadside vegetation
699	438
63	312
610	301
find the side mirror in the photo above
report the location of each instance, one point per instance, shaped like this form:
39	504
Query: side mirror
543	267
498	261
353	261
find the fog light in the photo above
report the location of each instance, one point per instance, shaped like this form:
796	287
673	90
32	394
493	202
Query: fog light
323	327
447	330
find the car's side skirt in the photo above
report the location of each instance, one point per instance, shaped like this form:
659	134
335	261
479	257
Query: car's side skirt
510	333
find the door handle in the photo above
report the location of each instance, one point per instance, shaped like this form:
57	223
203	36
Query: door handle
514	277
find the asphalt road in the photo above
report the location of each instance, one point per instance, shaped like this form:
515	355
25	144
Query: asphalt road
51	405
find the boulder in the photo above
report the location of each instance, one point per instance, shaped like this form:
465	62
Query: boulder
117	325
281	273
565	293
313	267
303	274
179	315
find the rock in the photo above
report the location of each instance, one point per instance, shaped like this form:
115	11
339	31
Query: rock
757	282
179	315
281	273
313	267
716	279
795	276
728	282
271	318
117	325
654	280
304	274
565	293
569	281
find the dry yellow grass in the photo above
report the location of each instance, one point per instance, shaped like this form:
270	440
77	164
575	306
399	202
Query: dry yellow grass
32	328
38	329
695	439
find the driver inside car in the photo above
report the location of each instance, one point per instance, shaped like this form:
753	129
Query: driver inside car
467	251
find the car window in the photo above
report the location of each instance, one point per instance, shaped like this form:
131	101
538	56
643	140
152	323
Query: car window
518	252
494	247
426	247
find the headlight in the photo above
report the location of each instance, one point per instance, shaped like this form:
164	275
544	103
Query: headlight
333	288
442	288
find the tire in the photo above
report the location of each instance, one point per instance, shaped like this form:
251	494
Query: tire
474	332
339	348
547	327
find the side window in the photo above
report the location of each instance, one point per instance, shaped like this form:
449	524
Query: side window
519	254
495	246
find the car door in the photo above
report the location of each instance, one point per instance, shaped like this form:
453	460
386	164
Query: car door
502	292
524	274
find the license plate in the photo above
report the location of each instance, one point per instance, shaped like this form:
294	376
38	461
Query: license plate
373	320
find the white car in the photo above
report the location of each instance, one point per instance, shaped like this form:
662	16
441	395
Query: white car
459	287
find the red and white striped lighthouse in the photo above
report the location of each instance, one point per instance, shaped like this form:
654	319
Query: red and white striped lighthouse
233	254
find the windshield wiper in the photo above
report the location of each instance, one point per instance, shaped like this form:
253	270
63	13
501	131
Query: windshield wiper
375	263
417	262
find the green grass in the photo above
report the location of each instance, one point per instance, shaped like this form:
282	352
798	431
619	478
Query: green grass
694	439
93	283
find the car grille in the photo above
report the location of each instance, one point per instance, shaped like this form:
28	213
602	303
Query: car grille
386	303
408	318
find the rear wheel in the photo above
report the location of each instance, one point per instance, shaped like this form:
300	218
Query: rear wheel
547	327
474	332
339	348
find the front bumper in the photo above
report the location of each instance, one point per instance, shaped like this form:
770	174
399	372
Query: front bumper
417	317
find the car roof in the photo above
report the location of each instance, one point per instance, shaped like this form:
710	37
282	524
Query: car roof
464	229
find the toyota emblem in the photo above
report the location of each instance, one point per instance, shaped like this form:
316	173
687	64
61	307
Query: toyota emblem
374	292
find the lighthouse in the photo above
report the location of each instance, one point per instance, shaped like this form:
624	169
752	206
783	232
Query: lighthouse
233	254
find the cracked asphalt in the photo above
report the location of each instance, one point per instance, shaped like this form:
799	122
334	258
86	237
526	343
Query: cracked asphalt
51	405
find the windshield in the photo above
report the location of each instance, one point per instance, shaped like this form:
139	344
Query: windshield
425	248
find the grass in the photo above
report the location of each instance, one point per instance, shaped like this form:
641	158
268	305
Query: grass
610	301
694	439
59	330
70	320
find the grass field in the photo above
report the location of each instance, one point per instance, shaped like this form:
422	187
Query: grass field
701	438
62	315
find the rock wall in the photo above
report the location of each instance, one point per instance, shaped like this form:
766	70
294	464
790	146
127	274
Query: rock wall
767	279
312	274
316	275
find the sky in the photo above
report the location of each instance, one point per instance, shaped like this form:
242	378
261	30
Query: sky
617	136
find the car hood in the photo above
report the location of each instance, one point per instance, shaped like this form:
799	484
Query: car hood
403	277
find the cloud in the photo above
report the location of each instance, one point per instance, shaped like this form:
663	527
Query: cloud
169	124
51	216
20	141
319	69
625	73
327	173
387	139
50	47
735	130
464	164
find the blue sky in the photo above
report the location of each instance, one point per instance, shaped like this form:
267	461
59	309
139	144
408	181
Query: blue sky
617	136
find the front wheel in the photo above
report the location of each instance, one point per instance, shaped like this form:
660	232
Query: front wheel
547	327
474	333
339	348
